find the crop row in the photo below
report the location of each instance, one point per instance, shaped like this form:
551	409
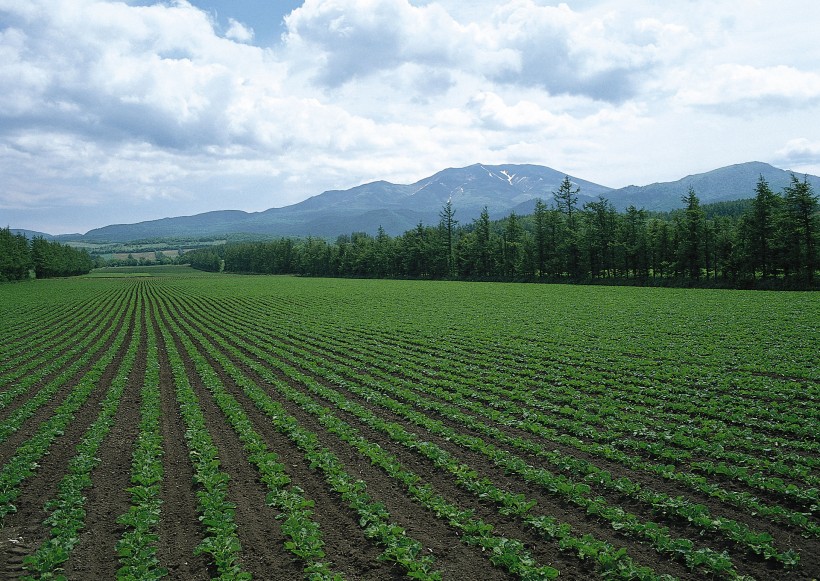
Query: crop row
645	394
221	541
700	556
66	513
137	547
543	453
652	399
505	407
542	421
579	356
25	460
296	511
373	517
63	367
757	542
619	428
570	376
505	552
24	354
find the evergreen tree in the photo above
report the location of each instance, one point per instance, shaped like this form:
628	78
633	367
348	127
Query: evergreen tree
762	224
566	200
41	257
448	224
415	254
724	261
15	257
512	248
563	241
314	258
633	241
540	237
799	229
690	249
483	251
383	263
661	248
599	236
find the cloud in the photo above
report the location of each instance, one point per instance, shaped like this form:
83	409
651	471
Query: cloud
103	72
801	150
735	88
519	43
801	155
238	31
98	68
565	51
524	116
161	109
356	38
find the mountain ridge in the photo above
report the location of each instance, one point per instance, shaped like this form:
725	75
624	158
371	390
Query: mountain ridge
399	207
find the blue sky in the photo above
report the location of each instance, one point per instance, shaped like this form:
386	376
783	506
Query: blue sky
117	111
265	16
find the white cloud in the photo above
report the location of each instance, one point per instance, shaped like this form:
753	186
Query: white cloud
801	155
731	85
520	42
101	100
524	116
565	51
801	150
238	31
347	39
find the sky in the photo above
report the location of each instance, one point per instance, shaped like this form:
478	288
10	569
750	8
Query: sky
124	111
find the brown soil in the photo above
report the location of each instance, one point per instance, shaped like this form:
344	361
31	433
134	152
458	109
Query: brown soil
179	527
30	425
346	546
94	557
747	562
25	526
351	553
785	537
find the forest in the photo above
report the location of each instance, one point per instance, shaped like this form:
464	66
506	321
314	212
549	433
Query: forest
19	256
769	241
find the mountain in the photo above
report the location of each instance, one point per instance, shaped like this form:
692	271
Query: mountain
30	234
733	182
208	224
394	207
399	207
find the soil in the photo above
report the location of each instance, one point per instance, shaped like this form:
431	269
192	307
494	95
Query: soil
24	530
347	547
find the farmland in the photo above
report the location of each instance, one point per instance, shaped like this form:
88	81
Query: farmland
170	422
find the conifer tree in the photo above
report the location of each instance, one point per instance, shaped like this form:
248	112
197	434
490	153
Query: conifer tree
799	229
691	235
540	237
448	224
762	223
566	199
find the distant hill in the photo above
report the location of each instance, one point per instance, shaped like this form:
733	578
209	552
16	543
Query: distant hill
33	233
399	207
733	182
216	223
394	207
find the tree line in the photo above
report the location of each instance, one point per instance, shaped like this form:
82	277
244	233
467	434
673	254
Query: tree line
770	241
19	256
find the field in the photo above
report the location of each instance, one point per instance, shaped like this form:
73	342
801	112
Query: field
162	421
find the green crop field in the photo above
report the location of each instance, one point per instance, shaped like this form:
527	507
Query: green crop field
165	422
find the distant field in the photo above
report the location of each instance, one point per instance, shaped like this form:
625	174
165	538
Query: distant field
150	270
162	420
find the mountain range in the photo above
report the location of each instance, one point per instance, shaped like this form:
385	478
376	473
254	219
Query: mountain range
399	207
